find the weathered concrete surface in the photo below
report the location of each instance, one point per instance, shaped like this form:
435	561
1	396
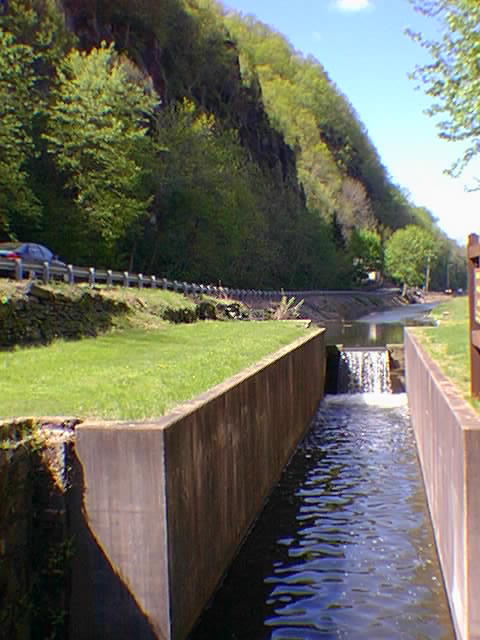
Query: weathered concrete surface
34	543
448	439
167	503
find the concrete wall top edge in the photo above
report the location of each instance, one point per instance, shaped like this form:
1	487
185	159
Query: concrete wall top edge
119	425
181	410
468	418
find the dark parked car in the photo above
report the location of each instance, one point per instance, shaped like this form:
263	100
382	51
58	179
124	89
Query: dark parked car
29	252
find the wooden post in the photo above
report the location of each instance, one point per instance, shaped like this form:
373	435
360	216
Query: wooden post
474	306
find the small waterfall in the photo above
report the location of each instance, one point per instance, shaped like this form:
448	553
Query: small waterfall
364	371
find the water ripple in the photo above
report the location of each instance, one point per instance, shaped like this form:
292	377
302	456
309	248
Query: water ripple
350	553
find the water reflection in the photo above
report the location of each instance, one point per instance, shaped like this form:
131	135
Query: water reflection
378	329
363	334
344	547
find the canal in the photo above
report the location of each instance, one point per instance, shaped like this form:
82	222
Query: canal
344	546
378	329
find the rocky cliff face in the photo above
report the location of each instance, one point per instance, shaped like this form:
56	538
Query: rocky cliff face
187	53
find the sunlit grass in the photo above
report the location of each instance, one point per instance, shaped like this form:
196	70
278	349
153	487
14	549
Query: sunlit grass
448	343
133	374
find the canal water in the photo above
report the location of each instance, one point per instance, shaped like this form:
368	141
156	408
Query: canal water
378	329
344	546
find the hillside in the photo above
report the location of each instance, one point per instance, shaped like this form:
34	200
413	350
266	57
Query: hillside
178	139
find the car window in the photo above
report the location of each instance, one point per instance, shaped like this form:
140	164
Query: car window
33	251
47	255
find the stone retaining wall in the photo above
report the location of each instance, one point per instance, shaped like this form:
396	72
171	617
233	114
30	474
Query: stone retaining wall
166	503
35	542
447	431
40	315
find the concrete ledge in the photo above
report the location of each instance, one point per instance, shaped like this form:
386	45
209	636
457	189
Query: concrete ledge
447	431
166	503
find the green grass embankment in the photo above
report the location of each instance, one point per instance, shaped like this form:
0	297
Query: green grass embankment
448	343
134	373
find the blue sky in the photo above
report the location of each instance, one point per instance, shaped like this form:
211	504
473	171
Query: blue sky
362	46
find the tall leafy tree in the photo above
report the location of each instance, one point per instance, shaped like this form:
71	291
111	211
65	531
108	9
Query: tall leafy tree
17	77
34	40
208	220
452	79
409	253
97	135
365	248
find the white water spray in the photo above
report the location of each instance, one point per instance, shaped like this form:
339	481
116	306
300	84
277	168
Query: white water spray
364	371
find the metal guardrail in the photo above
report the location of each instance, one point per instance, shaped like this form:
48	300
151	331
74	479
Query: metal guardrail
20	269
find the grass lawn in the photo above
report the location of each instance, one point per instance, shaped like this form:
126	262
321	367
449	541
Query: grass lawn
448	343
133	374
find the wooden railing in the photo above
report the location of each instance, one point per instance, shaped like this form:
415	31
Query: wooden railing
474	307
20	269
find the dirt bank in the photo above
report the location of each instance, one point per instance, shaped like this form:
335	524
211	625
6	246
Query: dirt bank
324	308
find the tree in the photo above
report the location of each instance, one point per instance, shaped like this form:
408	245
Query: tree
210	218
408	256
452	79
337	164
365	248
96	133
16	144
354	207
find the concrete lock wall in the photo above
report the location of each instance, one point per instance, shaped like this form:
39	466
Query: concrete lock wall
448	439
166	503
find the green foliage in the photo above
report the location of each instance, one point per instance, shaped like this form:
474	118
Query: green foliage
366	250
250	168
33	39
39	24
219	216
287	309
449	269
408	254
452	79
337	163
205	213
16	145
96	132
